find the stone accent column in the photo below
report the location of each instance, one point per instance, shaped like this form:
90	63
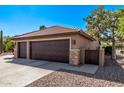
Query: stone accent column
82	56
28	50
101	57
74	57
16	50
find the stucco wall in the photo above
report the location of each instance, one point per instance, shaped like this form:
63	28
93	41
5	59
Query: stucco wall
74	56
81	42
94	45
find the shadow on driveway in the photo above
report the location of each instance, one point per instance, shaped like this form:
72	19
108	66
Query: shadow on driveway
112	71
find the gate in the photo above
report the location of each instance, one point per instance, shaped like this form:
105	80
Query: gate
92	57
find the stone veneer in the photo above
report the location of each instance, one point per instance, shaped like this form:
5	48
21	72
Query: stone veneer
74	57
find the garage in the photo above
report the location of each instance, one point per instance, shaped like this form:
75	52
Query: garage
52	50
56	44
22	50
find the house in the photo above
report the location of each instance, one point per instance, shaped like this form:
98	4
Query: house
56	43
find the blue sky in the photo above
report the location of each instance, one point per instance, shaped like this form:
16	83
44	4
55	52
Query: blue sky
15	20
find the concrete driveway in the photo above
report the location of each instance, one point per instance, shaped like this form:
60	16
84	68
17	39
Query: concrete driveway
21	72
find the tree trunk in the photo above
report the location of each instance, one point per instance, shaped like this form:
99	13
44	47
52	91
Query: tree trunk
121	45
99	40
99	44
113	51
113	46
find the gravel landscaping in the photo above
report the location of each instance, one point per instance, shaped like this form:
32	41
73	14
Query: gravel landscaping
111	75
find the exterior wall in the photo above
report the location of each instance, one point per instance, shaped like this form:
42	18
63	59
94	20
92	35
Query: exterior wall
101	57
94	45
16	50
82	42
74	57
28	50
82	56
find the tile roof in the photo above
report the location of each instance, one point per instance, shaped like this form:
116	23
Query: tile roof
53	31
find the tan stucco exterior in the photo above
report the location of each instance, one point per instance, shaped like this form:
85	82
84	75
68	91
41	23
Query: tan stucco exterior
81	43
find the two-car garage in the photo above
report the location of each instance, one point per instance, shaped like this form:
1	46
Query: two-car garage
51	50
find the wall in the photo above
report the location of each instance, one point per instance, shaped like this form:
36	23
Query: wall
80	42
94	45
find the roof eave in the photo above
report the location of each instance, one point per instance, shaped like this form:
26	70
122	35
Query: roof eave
16	38
77	32
86	35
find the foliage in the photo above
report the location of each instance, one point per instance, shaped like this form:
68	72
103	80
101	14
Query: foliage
108	50
42	27
96	23
8	44
120	33
112	26
120	46
108	26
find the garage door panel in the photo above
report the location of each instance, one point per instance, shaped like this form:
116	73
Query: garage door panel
22	50
53	50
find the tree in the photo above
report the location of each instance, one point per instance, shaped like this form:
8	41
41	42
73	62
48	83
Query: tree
113	28
120	33
106	25
8	44
112	21
96	23
42	27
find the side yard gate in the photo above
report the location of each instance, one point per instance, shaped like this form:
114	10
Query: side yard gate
92	57
95	57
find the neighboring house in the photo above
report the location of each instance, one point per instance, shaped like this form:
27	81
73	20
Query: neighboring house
56	43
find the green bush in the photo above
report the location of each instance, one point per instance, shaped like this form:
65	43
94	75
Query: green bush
8	44
108	50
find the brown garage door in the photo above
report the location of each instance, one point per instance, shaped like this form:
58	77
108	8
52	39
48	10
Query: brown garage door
53	50
22	49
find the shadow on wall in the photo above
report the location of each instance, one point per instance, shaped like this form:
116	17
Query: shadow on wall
112	71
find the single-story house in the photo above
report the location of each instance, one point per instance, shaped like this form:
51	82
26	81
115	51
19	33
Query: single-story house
56	43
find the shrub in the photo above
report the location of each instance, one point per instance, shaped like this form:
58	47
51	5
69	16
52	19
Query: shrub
8	44
108	50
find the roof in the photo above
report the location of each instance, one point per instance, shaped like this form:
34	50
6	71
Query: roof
89	32
53	31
